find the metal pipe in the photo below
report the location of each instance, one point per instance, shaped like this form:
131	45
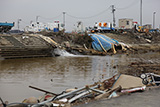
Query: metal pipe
62	96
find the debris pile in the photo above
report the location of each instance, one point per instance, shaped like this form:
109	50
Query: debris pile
83	43
115	86
86	44
139	66
136	38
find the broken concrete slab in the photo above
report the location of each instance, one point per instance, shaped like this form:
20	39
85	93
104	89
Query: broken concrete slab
127	82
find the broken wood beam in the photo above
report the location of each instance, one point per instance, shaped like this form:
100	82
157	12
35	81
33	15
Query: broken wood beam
107	93
41	90
99	91
79	96
62	96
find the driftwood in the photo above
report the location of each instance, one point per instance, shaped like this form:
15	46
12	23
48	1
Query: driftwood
98	91
65	95
41	90
107	93
78	96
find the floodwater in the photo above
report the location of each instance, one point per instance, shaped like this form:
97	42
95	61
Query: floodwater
56	74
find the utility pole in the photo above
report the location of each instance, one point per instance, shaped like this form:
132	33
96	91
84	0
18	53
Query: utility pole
113	10
19	23
141	13
154	20
37	18
64	20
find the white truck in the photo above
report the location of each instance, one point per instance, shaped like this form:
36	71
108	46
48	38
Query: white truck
103	27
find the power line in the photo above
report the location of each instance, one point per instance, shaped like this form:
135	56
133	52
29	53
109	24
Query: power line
130	5
96	15
50	18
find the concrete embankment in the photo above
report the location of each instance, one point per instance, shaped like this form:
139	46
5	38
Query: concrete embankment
22	46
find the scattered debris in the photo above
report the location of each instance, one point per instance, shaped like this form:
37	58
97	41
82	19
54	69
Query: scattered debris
150	79
115	86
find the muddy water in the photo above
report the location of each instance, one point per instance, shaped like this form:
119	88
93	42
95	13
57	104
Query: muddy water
53	74
59	73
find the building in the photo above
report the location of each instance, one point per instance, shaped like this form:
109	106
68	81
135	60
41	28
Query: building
79	27
39	26
125	23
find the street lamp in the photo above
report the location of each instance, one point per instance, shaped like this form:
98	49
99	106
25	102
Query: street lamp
154	20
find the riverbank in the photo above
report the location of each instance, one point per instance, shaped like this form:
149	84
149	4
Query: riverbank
143	48
56	74
44	43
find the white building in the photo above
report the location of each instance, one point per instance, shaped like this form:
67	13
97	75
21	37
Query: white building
126	23
39	26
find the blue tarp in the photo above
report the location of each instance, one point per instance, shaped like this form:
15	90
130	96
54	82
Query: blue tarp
55	30
100	41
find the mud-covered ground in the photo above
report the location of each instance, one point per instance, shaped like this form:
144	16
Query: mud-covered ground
144	51
144	48
140	45
69	39
142	56
136	38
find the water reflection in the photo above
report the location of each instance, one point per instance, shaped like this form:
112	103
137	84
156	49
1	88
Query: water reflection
54	74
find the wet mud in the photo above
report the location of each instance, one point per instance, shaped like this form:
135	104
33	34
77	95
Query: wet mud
59	73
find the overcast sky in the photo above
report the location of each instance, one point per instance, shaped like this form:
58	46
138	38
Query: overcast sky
87	11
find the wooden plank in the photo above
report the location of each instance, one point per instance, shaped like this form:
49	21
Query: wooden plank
78	96
41	90
107	93
62	96
99	91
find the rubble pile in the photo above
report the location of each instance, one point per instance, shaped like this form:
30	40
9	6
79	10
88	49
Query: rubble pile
72	38
130	43
115	86
81	43
136	38
137	68
141	64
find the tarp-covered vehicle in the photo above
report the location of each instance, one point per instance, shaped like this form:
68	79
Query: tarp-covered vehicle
4	27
